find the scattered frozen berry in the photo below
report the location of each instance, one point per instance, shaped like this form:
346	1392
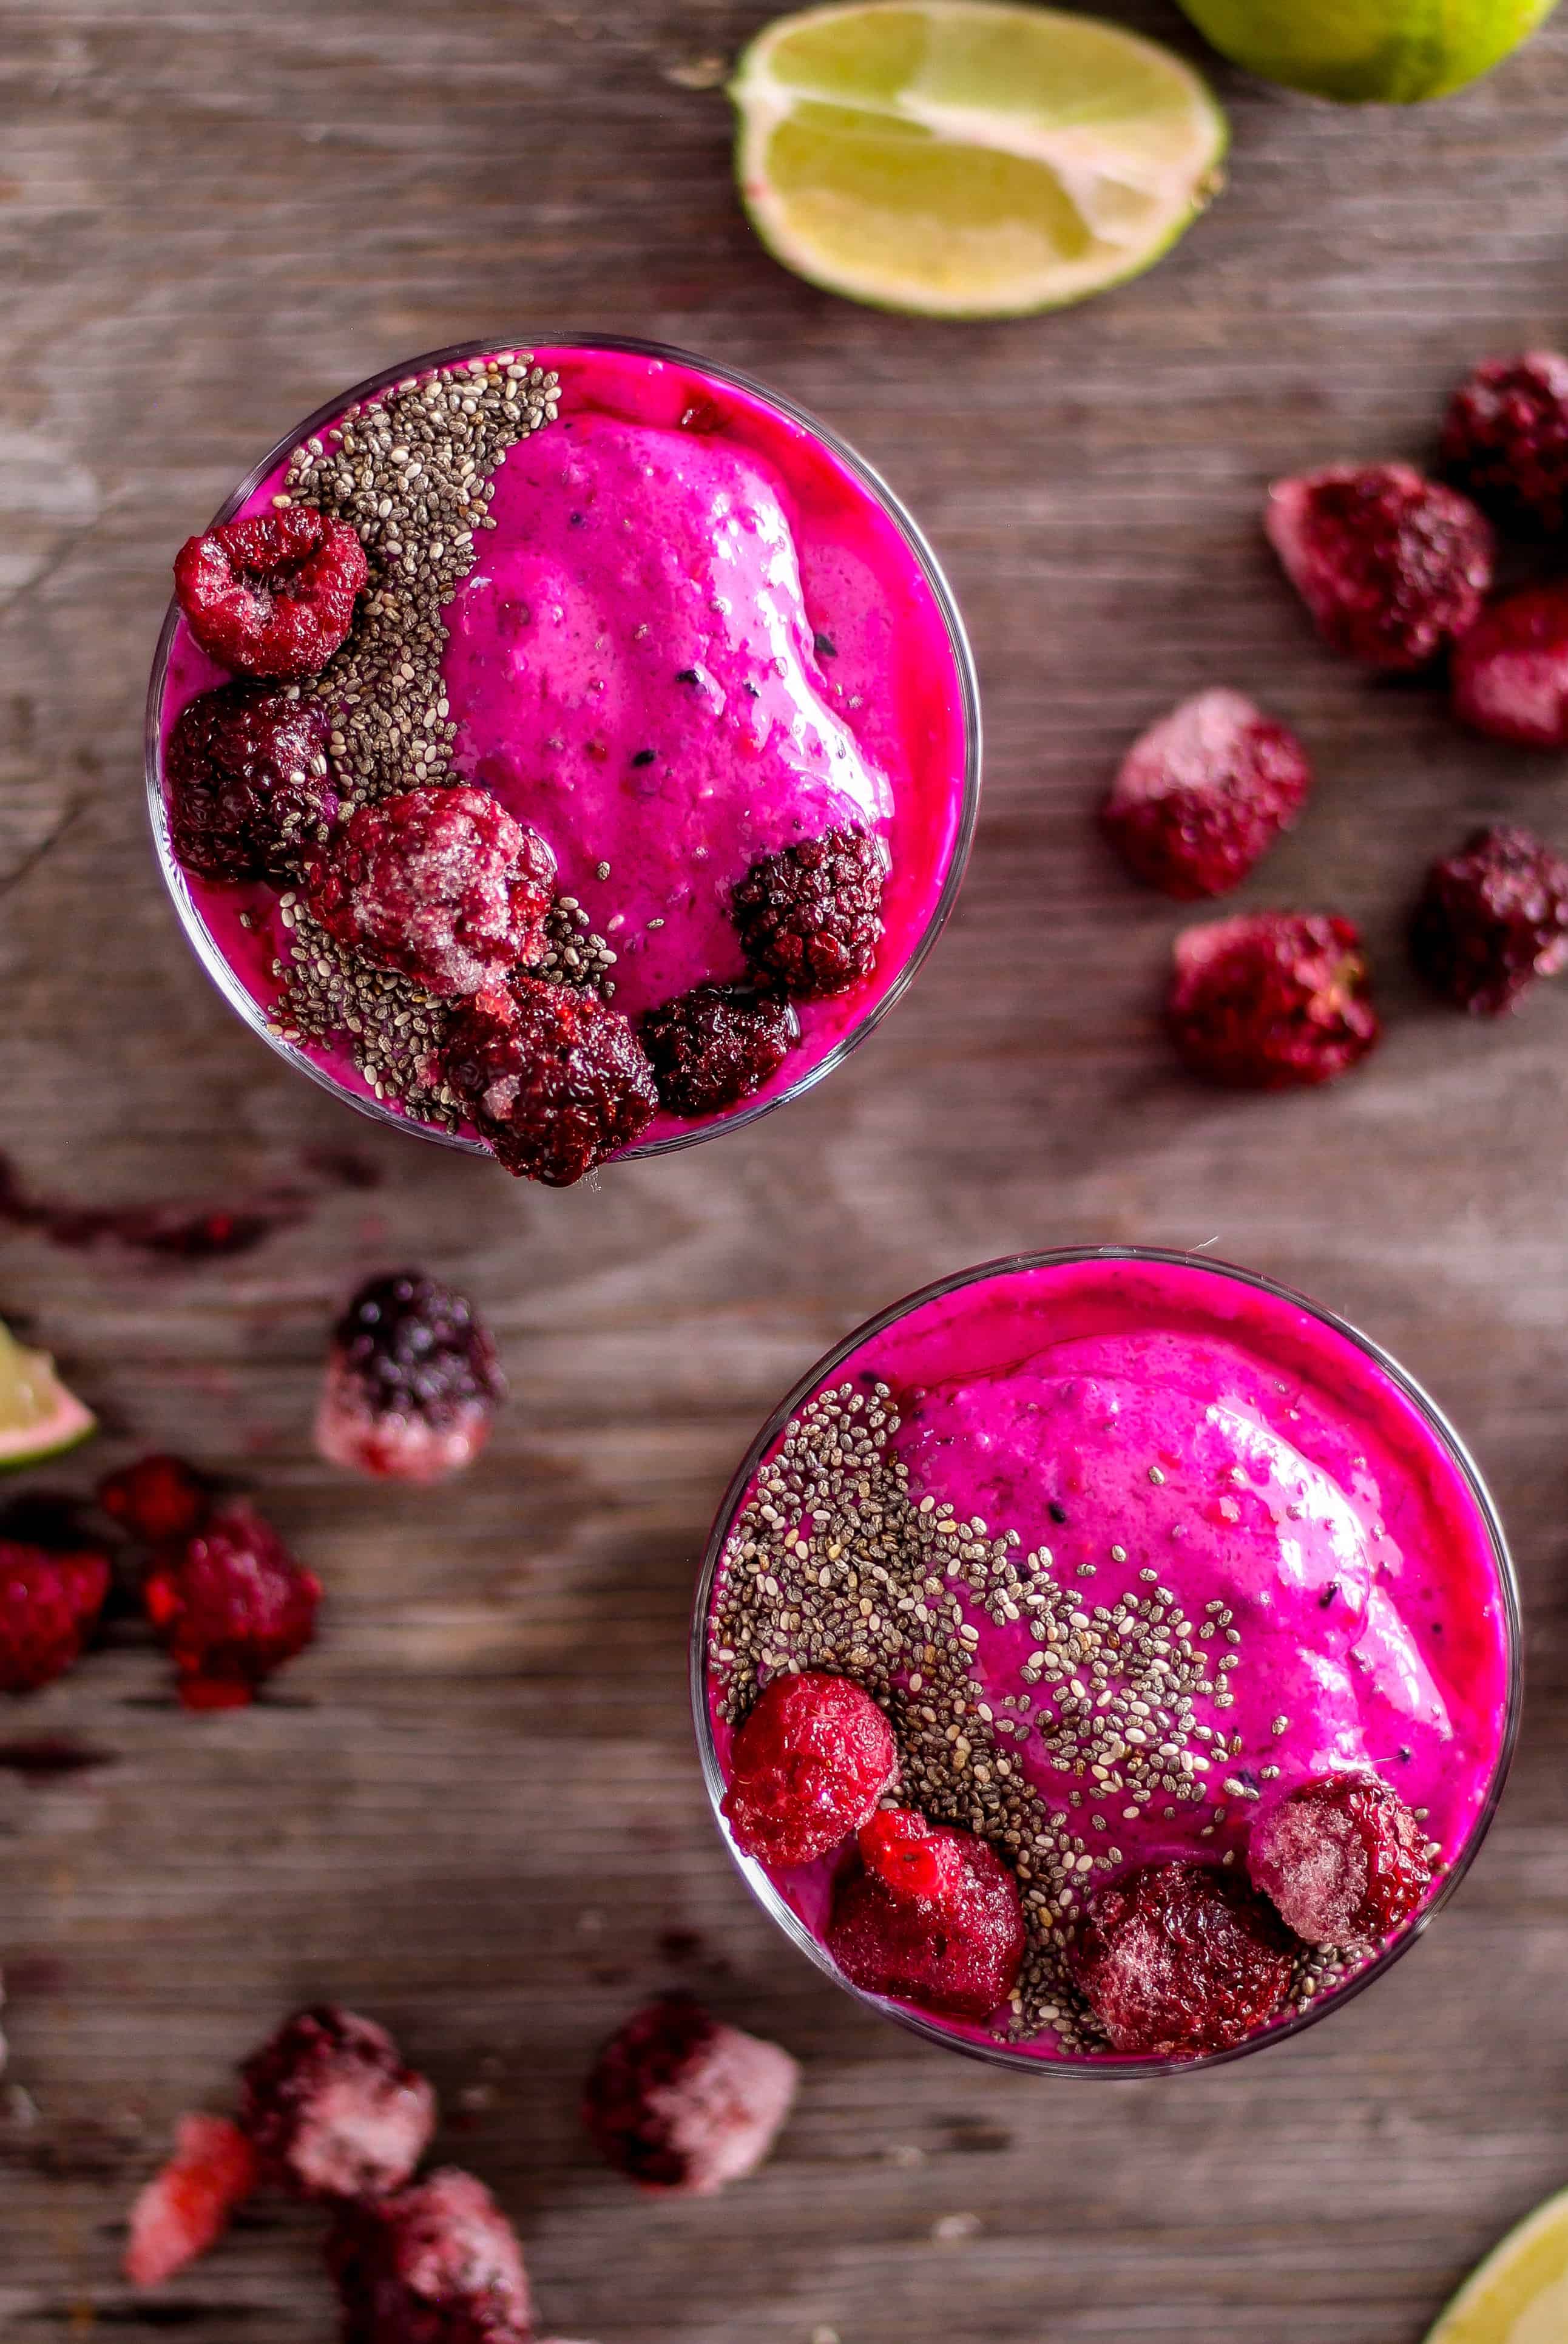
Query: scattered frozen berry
807	1768
158	1499
1270	1000
49	1602
1203	793
441	885
678	2102
554	1080
929	1914
247	792
1179	1958
715	1046
437	2264
810	919
1343	1861
186	2206
231	1604
273	595
1510	674
1491	919
331	2109
1392	566
412	1382
1505	440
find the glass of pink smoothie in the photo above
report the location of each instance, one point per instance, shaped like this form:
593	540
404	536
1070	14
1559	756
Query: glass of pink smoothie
1129	1547
696	629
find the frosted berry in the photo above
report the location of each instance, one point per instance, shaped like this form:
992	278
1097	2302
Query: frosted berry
436	2264
929	1914
245	782
412	1381
807	1768
554	1080
331	2109
1203	793
440	885
1270	1000
158	1499
1505	440
186	2206
1343	1861
716	1045
49	1604
231	1604
1491	919
273	595
810	919
680	2103
1392	567
1179	1958
1510	674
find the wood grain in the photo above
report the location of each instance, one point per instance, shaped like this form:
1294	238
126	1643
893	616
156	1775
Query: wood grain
474	1808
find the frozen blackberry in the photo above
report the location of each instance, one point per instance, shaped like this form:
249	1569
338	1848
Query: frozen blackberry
1505	440
1392	567
331	2109
1269	1001
412	1381
1491	919
1343	1860
554	1080
1179	1958
246	784
680	2102
810	918
715	1046
437	2264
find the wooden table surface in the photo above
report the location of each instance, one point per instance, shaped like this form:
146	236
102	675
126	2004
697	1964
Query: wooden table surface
473	1809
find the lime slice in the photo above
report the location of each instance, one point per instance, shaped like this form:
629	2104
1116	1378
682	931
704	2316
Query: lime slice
38	1417
1394	52
1520	2294
965	159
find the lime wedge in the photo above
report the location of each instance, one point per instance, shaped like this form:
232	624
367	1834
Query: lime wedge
967	158
1393	52
38	1417
1520	2293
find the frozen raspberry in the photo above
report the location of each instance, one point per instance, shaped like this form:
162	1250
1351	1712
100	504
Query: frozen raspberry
1343	1861
158	1499
439	2264
331	2109
1179	1958
1510	674
231	1604
553	1079
929	1914
186	2206
1203	793
441	885
49	1602
1392	567
1505	440
807	1768
245	799
273	595
1491	919
678	2102
715	1046
810	919
1270	1000
412	1382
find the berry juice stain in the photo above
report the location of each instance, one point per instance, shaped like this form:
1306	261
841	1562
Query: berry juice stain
175	1230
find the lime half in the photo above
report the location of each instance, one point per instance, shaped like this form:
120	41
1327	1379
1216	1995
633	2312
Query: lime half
1394	52
1520	2293
38	1417
965	159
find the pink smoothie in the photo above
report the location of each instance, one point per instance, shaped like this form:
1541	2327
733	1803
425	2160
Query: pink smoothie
694	636
1155	1431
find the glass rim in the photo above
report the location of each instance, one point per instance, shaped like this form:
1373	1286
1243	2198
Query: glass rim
1118	2068
237	994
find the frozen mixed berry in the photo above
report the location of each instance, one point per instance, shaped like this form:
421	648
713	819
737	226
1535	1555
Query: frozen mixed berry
1491	919
807	1768
412	1381
273	595
553	1079
1505	440
186	2206
246	783
715	1046
1203	793
810	919
1342	1861
437	2264
1392	567
927	1913
440	885
678	2102
1179	1958
331	2109
158	1499
231	1604
49	1604
1270	1000
1510	674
